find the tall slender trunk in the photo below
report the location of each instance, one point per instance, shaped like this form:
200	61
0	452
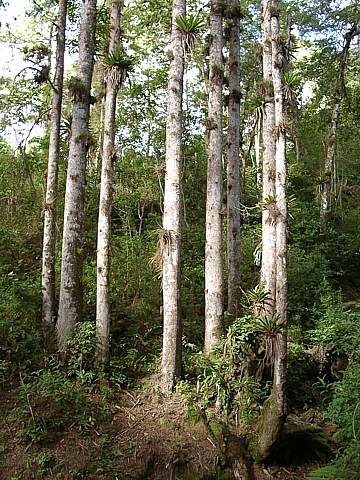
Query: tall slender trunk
104	223
268	264
258	152
233	167
213	247
171	351
70	302
274	414
49	239
328	174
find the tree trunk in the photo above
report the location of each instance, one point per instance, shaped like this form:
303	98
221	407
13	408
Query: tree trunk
70	302
328	174
233	170
274	414
213	247
104	223
268	264
258	153
171	350
49	239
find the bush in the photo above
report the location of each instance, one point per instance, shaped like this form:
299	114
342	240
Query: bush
49	401
20	326
221	384
344	409
302	371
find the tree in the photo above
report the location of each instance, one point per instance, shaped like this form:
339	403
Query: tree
70	302
113	82
233	167
268	265
213	246
49	238
329	175
171	234
274	413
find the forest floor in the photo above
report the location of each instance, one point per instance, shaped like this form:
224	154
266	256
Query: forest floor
144	436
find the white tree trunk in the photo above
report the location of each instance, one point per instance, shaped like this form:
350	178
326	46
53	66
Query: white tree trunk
274	414
49	239
213	246
70	301
104	222
233	168
258	153
281	204
268	265
171	350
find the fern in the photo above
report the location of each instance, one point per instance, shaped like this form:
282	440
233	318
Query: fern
324	473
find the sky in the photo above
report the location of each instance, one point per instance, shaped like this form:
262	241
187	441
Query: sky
13	15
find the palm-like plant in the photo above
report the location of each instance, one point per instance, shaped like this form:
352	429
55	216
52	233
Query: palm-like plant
258	299
269	329
118	65
190	26
291	83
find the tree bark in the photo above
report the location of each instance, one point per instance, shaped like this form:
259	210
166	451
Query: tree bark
104	222
268	263
258	153
70	302
328	174
274	414
213	247
49	238
171	350
233	170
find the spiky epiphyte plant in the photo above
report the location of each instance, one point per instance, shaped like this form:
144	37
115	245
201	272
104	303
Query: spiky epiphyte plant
291	82
269	329
256	106
77	88
258	299
165	240
118	65
190	26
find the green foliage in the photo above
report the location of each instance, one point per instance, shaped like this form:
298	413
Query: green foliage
324	473
20	330
344	410
190	26
256	108
118	65
337	329
258	299
49	401
118	59
291	84
82	352
77	88
345	406
219	385
302	370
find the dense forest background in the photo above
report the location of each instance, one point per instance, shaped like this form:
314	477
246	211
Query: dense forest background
66	416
